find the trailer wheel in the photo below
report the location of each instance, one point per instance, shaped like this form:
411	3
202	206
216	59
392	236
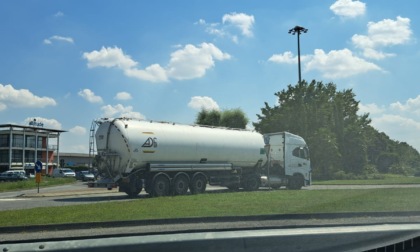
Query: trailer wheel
233	187
251	183
134	187
180	184
161	186
198	183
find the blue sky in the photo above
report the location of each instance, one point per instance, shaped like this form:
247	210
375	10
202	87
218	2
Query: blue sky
67	63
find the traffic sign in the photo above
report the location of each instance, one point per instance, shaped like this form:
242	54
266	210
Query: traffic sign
38	166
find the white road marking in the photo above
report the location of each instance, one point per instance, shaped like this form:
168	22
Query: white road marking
11	199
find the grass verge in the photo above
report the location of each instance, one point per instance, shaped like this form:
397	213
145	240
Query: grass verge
30	183
223	204
387	180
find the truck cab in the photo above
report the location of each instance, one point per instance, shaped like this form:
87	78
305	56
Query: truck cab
288	163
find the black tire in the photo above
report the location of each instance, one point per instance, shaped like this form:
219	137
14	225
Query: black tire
295	182
161	186
233	187
134	187
251	183
198	184
180	184
276	187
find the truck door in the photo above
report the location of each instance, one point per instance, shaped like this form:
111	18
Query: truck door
297	156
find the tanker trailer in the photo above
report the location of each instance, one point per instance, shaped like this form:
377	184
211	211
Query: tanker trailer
168	158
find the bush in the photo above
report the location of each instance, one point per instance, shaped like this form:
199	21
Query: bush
341	175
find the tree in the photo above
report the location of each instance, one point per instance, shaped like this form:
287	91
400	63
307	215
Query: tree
231	118
208	117
325	148
340	139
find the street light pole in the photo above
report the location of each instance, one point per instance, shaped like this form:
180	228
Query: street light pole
297	30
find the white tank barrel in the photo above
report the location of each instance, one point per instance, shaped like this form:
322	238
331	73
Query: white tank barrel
132	144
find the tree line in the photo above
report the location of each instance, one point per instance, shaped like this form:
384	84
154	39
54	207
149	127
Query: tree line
342	142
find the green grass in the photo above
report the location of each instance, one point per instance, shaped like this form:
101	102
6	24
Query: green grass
223	204
31	184
387	180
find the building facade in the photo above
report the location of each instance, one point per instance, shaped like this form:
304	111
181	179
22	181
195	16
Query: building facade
21	146
75	160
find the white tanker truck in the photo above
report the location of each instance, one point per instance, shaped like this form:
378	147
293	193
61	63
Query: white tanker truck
168	158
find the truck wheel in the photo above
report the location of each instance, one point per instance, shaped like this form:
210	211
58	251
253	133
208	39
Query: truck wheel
295	182
134	187
276	187
198	184
180	184
160	186
233	187
251	183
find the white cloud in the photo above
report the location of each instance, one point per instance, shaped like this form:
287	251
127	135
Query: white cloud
334	64
59	14
90	96
152	73
370	108
109	57
411	105
399	120
229	26
384	33
348	8
339	64
241	20
399	127
186	63
288	58
203	102
78	130
120	111
57	38
193	62
22	98
123	96
48	123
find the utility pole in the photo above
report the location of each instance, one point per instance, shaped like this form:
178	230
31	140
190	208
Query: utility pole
298	30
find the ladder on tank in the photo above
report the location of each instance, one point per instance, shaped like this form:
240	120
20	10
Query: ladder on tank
92	150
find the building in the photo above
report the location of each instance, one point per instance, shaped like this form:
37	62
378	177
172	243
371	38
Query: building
75	160
21	146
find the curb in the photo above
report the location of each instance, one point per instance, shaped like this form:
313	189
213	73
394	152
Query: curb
195	220
68	193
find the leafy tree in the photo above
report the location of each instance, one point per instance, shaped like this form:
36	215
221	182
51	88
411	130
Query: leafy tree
232	118
325	148
208	117
386	160
341	140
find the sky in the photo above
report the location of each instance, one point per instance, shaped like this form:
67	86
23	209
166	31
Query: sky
68	63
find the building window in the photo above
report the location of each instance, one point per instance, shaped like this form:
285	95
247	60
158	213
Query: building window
40	145
4	156
17	141
30	156
4	140
17	156
30	141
